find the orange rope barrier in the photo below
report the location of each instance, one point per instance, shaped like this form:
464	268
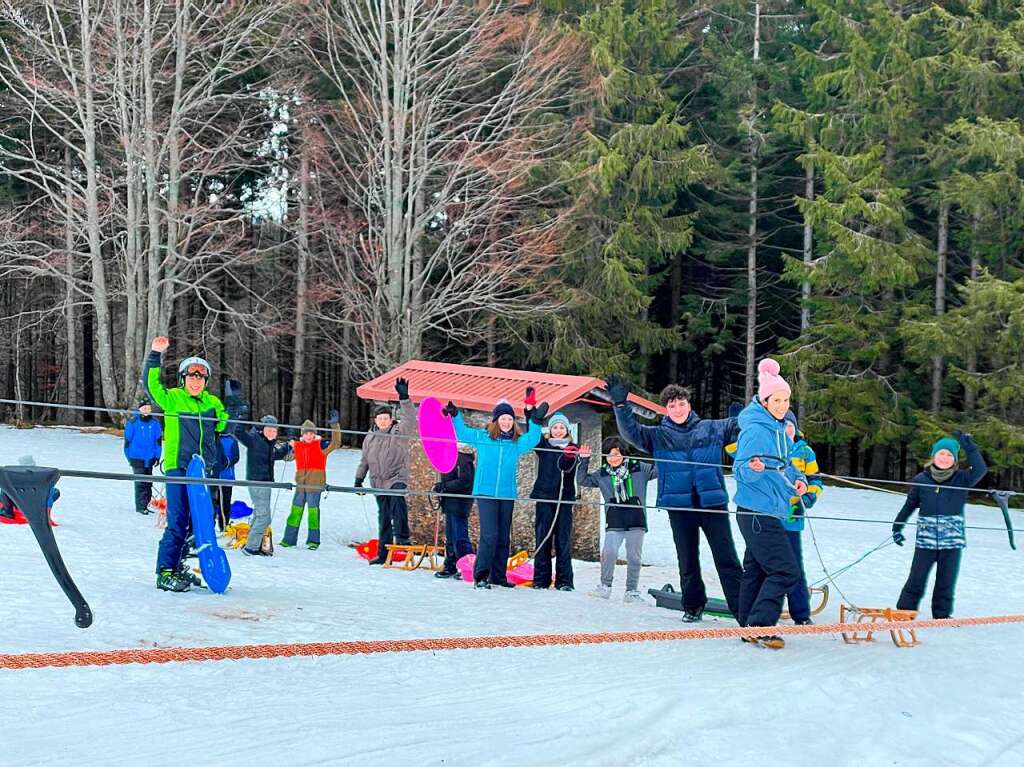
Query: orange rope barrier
239	652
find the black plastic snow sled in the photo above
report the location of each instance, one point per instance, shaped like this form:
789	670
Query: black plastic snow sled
671	599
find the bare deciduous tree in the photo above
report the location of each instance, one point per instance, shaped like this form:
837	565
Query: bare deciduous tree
437	215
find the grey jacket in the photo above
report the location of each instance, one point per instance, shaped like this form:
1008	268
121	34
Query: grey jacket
386	453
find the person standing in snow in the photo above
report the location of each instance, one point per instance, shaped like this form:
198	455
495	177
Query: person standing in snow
261	452
193	417
498	447
805	461
939	494
555	493
456	510
623	485
385	458
766	480
687	451
142	438
310	480
227	456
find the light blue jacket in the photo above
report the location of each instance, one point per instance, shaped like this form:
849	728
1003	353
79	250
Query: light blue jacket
761	435
496	459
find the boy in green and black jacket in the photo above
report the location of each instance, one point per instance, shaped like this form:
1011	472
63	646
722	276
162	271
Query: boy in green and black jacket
183	438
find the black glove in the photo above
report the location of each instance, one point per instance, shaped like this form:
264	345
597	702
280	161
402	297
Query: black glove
333	418
439	487
358	482
402	387
618	390
735	409
450	410
897	535
539	413
965	440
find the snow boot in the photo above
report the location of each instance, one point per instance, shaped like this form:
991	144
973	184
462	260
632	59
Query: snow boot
693	616
481	584
313	545
566	587
632	597
168	580
770	642
804	622
445	574
601	591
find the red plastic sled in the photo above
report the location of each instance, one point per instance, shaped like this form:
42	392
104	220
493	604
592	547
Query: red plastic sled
368	551
19	519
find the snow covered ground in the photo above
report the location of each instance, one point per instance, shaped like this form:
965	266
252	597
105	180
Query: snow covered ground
955	700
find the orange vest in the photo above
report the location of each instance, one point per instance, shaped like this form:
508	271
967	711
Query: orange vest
309	456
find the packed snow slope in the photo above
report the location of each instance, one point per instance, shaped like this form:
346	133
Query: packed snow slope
955	700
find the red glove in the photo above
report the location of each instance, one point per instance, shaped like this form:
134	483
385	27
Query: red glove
531	397
571	451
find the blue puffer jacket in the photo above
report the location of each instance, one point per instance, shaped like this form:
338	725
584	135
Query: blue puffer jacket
761	435
695	440
227	457
142	439
496	459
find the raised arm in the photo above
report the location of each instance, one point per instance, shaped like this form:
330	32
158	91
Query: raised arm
978	467
583	476
151	373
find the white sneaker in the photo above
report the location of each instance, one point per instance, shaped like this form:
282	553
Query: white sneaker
632	596
602	591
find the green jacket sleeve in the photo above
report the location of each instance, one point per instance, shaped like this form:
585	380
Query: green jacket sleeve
151	375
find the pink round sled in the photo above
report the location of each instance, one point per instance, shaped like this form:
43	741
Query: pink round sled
437	433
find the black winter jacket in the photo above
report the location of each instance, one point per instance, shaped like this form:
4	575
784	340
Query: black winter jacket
261	454
460	482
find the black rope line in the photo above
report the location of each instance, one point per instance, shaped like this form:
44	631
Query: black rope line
352	490
355	432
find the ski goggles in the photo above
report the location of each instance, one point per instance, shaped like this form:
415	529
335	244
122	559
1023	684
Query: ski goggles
197	371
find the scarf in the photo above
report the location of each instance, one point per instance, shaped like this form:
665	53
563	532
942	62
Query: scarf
942	475
622	482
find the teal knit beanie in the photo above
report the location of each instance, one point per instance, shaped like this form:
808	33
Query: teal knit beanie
946	443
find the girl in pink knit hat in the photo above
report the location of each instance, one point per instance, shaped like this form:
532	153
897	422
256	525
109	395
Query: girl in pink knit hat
766	480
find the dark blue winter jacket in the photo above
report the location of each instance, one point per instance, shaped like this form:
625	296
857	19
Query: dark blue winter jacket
697	441
940	522
142	437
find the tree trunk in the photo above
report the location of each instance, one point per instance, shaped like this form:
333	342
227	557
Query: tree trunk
805	289
675	293
751	346
940	300
299	363
70	298
972	360
100	298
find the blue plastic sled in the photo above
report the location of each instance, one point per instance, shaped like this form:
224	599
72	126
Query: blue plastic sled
213	562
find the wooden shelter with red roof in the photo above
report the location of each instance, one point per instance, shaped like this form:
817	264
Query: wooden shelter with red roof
475	390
